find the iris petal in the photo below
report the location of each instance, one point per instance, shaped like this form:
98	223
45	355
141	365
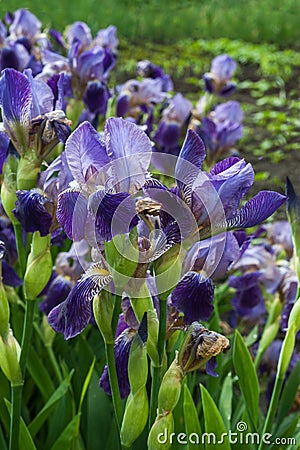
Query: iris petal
193	296
74	314
72	213
32	212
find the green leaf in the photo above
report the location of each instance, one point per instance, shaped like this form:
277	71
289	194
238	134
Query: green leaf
40	418
25	439
247	378
289	393
40	375
214	425
86	384
191	420
69	433
225	402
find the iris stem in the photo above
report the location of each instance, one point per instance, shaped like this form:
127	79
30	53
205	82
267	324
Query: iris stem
111	365
54	363
17	390
16	400
157	370
20	247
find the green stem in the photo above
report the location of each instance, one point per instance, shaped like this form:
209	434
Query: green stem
20	248
26	337
16	399
157	370
111	365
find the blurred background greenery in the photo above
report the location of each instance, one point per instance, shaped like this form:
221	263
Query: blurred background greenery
272	21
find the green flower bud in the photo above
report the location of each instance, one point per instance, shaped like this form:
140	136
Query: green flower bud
153	325
199	345
103	308
48	332
137	365
39	266
4	312
170	388
9	359
135	417
28	170
9	186
159	436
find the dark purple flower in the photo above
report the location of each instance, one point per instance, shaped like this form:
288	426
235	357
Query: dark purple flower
121	348
96	97
34	211
9	276
57	292
193	296
218	80
147	69
4	144
72	315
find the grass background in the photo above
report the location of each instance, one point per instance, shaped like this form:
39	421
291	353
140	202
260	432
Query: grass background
272	21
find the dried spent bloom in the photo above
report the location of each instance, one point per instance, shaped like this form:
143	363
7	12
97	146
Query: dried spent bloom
199	346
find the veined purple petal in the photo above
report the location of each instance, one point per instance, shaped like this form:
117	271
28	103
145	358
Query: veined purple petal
72	213
32	211
74	314
121	348
114	213
256	210
193	296
16	100
189	164
84	150
223	165
130	149
57	292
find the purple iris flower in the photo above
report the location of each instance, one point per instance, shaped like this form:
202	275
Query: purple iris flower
136	100
107	173
208	203
31	116
173	118
218	80
147	69
221	129
4	144
107	38
25	24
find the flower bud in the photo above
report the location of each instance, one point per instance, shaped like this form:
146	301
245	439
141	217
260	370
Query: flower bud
199	345
39	266
9	186
135	417
4	312
48	332
153	325
28	170
159	436
103	308
167	269
138	362
9	359
170	388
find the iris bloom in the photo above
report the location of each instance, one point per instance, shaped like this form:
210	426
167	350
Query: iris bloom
32	113
221	129
107	172
218	80
147	69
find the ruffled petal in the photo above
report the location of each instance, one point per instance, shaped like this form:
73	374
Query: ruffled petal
85	150
130	149
256	210
193	296
74	314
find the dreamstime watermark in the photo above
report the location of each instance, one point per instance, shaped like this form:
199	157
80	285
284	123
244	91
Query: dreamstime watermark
240	436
